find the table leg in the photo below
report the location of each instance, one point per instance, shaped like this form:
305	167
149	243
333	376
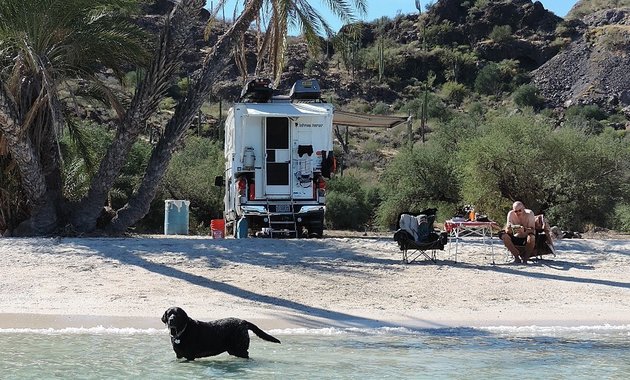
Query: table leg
491	245
456	241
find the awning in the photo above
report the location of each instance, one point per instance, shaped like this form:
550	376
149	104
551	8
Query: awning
351	119
285	109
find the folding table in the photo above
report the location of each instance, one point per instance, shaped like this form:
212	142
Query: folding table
458	229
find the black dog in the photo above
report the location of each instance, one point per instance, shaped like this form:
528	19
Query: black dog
193	339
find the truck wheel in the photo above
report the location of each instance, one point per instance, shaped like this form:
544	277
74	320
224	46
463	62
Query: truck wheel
316	232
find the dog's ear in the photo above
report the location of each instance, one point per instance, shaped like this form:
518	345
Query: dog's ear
181	312
165	316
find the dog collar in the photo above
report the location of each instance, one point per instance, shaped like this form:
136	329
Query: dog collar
179	333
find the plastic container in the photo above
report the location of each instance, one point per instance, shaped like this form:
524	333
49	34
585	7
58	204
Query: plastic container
217	228
249	159
176	217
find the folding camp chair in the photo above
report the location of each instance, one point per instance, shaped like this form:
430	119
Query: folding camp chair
416	236
543	244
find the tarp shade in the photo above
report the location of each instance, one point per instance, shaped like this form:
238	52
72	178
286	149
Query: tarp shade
351	119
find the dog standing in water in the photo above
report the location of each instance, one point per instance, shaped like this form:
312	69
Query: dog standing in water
192	339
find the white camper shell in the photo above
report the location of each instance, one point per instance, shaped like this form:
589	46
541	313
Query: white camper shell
278	152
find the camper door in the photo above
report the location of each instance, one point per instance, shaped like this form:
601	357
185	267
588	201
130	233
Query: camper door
278	157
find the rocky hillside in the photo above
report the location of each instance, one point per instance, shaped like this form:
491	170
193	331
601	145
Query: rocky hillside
577	61
594	68
586	7
381	66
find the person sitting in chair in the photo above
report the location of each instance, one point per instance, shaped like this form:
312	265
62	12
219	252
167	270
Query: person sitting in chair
519	232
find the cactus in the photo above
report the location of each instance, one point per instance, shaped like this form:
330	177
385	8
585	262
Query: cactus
381	59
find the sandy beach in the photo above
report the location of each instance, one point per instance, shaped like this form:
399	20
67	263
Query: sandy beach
335	281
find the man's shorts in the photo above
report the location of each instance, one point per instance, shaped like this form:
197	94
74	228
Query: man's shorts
515	240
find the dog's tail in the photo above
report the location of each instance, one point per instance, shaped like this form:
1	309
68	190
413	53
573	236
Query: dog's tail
261	334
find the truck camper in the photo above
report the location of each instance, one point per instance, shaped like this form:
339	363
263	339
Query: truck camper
278	156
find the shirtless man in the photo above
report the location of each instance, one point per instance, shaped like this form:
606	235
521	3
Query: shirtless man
520	231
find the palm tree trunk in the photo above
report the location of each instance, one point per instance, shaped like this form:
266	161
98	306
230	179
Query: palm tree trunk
214	63
174	38
43	209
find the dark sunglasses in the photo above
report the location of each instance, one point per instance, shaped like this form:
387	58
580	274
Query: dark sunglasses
518	211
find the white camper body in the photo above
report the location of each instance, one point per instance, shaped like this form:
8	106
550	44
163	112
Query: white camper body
277	154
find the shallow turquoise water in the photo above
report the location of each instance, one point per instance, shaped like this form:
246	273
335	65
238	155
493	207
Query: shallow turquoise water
387	353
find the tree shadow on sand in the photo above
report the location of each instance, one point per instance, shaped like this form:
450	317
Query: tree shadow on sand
140	253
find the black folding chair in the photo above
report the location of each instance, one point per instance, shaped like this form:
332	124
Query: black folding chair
415	244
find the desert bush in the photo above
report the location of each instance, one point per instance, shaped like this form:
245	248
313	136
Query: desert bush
590	111
477	109
527	96
310	66
574	178
440	34
415	180
380	108
454	92
616	38
450	134
489	80
501	33
346	206
191	176
585	118
435	107
620	219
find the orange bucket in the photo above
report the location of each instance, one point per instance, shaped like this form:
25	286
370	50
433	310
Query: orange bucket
217	228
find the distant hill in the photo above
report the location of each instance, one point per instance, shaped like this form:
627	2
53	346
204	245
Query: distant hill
594	68
586	7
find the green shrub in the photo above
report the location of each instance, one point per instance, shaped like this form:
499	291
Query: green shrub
346	207
590	111
380	108
435	107
449	135
527	96
621	218
191	176
501	33
616	38
310	66
418	179
454	92
573	178
489	80
477	109
440	34
587	119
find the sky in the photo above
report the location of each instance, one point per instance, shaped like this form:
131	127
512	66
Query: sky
391	8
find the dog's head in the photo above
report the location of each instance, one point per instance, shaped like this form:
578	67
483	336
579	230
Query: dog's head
175	319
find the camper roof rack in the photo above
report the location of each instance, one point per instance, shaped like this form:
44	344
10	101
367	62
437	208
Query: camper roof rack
305	89
257	90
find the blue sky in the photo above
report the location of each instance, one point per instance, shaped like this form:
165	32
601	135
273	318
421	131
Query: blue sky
379	8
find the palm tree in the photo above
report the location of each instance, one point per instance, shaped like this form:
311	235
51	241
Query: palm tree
43	45
214	63
164	66
58	40
289	14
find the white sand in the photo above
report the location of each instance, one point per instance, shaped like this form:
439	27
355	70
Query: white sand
346	281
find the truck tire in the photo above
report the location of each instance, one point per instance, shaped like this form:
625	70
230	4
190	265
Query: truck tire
316	231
